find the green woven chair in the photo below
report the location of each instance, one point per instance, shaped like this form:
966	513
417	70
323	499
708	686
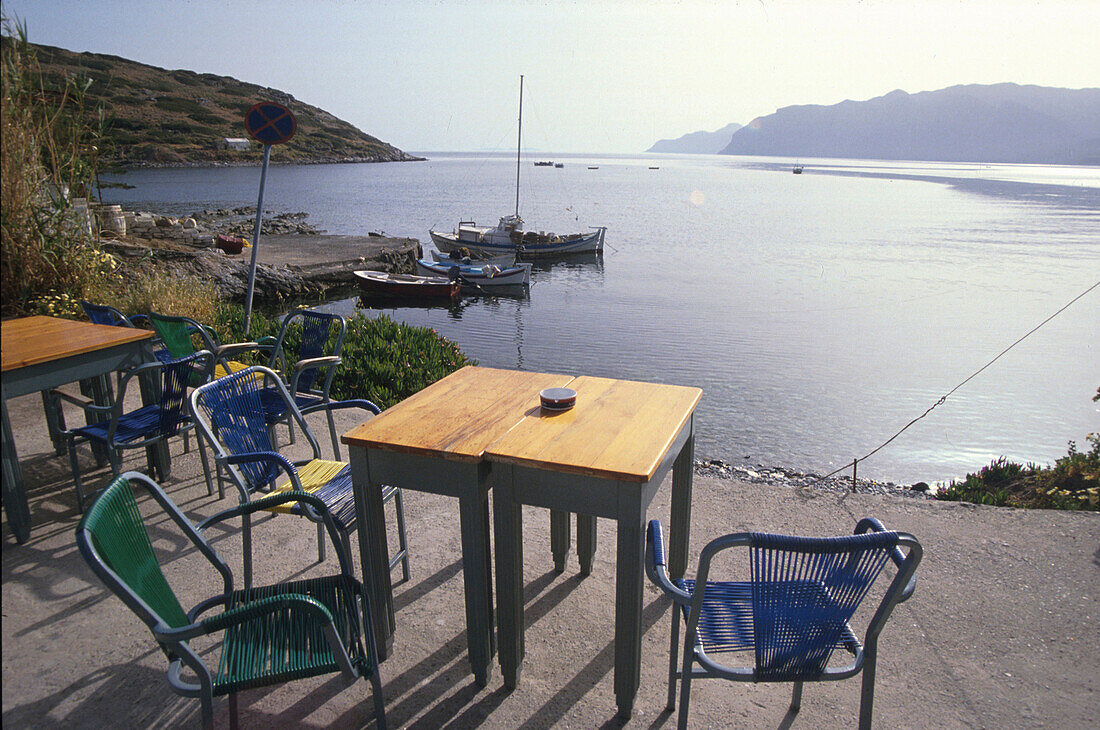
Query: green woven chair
176	334
270	635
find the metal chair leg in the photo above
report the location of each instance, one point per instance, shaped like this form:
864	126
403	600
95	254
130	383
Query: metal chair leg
796	698
402	542
685	681
76	475
673	656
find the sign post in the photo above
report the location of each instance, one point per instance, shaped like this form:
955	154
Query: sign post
270	124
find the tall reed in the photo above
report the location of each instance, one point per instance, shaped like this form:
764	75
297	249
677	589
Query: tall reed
47	161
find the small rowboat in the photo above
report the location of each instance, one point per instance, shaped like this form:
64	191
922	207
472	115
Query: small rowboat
480	274
383	283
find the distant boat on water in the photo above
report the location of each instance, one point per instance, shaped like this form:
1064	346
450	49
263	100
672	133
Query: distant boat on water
797	170
544	163
508	236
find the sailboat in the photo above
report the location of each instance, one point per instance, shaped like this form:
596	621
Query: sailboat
509	236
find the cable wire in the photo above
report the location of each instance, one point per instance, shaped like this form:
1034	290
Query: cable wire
949	393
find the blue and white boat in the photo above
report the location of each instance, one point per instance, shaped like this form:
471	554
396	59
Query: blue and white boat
479	273
509	237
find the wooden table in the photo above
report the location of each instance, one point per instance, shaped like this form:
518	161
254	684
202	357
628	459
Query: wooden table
40	353
606	457
435	442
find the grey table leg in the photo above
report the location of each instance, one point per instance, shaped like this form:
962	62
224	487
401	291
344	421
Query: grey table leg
559	538
628	607
477	580
157	454
98	390
586	542
15	499
508	530
55	422
680	523
374	552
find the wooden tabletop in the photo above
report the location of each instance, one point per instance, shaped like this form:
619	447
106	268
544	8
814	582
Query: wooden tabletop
35	340
618	429
457	417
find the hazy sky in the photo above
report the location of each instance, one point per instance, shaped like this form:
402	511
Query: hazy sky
600	76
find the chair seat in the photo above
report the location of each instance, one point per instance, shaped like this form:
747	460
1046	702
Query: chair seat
284	645
800	612
132	426
330	481
275	407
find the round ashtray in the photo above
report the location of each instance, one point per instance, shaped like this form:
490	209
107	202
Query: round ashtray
558	399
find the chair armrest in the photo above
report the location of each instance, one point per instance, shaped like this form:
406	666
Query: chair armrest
139	319
316	362
245	613
655	563
311	502
873	524
224	351
79	400
341	404
255	609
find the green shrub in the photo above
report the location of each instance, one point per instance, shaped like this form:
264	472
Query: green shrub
383	361
1072	483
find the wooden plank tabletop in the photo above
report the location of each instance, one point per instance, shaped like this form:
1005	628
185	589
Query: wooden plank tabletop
35	340
619	429
457	417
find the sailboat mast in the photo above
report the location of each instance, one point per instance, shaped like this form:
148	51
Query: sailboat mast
519	140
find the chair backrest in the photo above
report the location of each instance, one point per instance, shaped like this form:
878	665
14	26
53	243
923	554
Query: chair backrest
176	375
103	314
316	331
804	593
176	333
115	543
230	412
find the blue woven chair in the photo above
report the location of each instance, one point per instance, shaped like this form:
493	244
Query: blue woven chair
791	614
307	365
270	635
103	314
144	427
230	415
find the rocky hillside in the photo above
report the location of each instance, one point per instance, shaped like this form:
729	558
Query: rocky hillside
161	117
706	143
974	123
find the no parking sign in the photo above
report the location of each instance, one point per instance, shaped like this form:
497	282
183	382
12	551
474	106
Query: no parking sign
270	123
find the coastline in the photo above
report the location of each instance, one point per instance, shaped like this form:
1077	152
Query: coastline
200	164
781	476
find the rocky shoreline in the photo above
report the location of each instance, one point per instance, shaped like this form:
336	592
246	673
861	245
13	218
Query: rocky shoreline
784	477
297	261
334	160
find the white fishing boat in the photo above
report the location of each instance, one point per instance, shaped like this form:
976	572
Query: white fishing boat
509	236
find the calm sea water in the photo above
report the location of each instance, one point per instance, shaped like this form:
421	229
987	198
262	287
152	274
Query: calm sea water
820	313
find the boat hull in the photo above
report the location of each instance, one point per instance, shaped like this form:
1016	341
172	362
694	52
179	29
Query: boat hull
481	275
581	243
381	283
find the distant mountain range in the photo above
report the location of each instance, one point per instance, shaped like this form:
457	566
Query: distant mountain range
161	117
707	143
973	123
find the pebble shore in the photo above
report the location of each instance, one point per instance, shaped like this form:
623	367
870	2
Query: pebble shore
784	477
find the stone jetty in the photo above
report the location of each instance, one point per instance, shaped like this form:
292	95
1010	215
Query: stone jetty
296	260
